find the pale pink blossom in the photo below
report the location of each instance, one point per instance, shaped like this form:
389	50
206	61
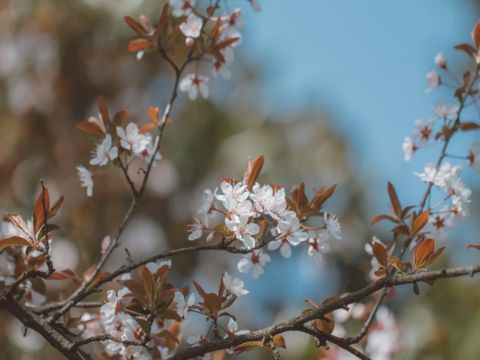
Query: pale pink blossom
243	229
440	60
446	112
181	7
104	152
234	286
86	179
333	225
194	84
132	139
255	261
433	79
409	148
192	27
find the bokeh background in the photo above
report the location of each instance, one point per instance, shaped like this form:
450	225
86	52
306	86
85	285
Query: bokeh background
325	90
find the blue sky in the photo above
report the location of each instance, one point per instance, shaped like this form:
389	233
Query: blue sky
364	64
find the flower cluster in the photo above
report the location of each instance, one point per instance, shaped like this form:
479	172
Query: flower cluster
143	298
118	143
209	38
258	215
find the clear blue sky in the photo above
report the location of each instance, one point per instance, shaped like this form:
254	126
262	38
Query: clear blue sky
364	63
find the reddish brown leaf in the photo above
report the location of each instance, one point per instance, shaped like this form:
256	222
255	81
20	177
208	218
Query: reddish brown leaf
13	241
42	206
136	26
396	207
54	209
138	45
473	246
320	197
380	252
90	129
467	126
379	218
102	107
119	118
420	221
253	170
476	35
468	49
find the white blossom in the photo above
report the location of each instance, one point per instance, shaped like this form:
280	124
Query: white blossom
423	129
433	79
384	337
192	27
440	61
181	7
194	84
233	285
255	261
474	157
409	148
333	225
207	203
104	152
86	179
268	202
447	112
317	245
243	229
183	306
150	154
235	198
198	228
132	139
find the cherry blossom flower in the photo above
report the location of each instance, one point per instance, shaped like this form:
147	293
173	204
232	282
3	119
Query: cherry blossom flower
409	148
104	152
150	152
433	79
243	229
86	179
447	112
288	232
333	225
132	139
196	340
207	203
439	223
473	157
429	175
192	27
235	198
440	61
255	261
183	306
423	129
317	245
181	7
194	84
233	285
384	337
232	328
266	201
111	308
198	228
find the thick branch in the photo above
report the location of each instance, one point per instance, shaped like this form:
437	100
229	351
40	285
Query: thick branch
295	323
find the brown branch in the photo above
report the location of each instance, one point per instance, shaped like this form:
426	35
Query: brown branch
108	337
57	339
296	322
342	343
